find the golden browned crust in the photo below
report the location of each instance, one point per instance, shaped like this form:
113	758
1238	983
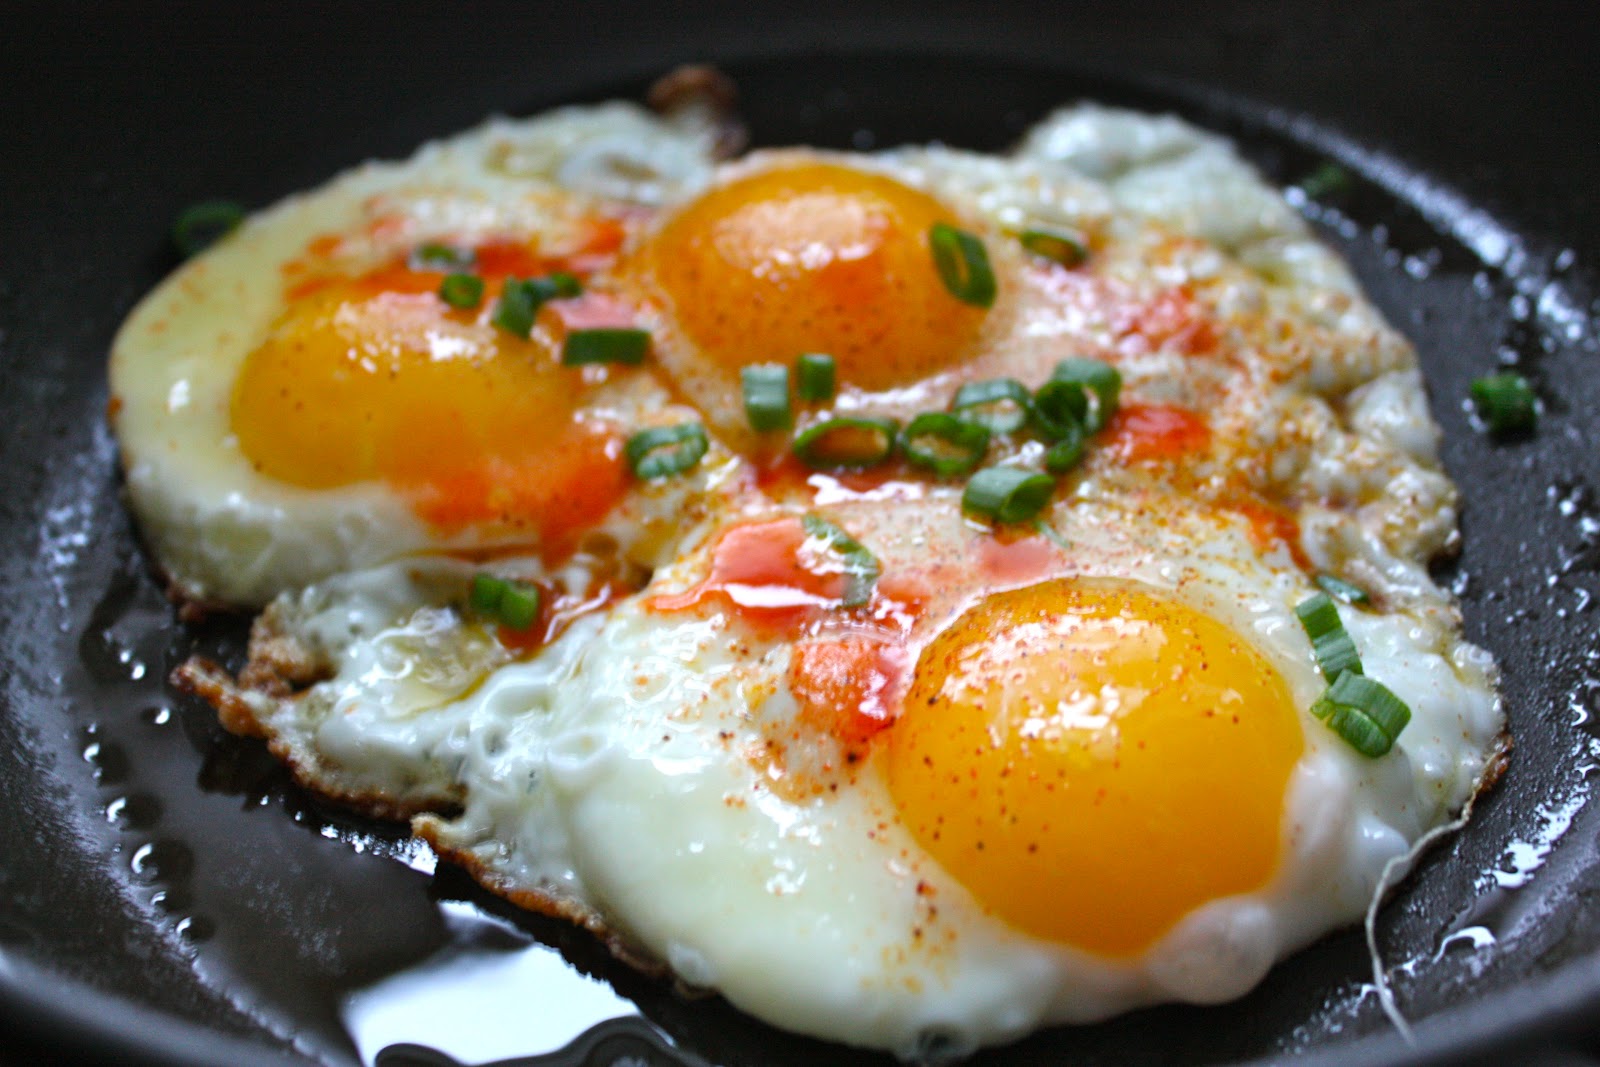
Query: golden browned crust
429	829
230	698
200	677
1498	762
279	664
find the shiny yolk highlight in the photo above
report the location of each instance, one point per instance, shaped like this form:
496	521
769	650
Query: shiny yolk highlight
814	257
373	379
1093	761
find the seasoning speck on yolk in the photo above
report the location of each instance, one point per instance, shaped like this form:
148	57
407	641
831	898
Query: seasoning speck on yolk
814	257
1094	760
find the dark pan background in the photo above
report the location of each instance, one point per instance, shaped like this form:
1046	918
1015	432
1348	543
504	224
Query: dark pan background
163	890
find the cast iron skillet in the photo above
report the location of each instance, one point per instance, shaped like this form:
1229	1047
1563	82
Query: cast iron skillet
169	897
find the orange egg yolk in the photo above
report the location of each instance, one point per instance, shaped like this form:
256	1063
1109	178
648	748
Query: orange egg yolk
815	257
361	381
1093	761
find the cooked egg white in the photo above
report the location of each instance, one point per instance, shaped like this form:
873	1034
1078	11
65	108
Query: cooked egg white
1008	777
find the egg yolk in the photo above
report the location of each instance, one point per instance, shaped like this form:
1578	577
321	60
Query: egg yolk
815	257
1094	760
473	425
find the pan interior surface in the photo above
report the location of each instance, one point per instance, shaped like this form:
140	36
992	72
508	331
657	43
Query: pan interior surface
153	857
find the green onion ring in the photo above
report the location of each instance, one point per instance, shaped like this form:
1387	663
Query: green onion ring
965	443
608	344
199	226
766	396
1364	712
1335	651
963	264
662	451
461	291
1007	494
811	444
816	372
971	398
860	565
1058	246
1104	380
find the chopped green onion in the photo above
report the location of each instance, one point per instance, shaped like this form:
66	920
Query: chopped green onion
944	443
846	443
442	257
963	264
609	344
1327	181
1364	712
519	606
199	226
1102	379
1058	246
860	565
1067	452
1060	409
515	604
1052	534
1001	405
1007	494
463	291
1505	402
521	299
662	451
486	592
1343	590
816	372
766	396
1335	651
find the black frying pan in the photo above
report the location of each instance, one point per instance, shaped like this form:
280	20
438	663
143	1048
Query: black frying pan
166	895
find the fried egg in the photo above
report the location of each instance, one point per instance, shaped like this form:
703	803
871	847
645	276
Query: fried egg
300	401
879	764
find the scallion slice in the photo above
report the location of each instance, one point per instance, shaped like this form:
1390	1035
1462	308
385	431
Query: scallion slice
1058	246
1327	181
1067	452
519	605
1007	494
1335	651
609	344
1340	589
816	372
1060	409
963	264
1053	535
944	443
462	291
846	443
1505	402
1364	712
513	603
766	396
521	299
199	226
486	592
1000	405
861	567
1102	379
662	451
442	257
